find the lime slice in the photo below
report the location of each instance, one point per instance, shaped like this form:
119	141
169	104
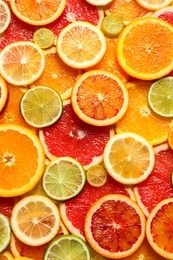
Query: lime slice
112	25
5	232
5	16
63	178
160	97
44	38
96	175
41	106
67	247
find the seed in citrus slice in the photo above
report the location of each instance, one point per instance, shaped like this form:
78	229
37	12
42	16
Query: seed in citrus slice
67	247
44	38
35	220
99	2
3	93
140	42
5	232
159	228
112	25
5	16
154	4
43	12
128	158
115	226
99	98
22	160
41	106
96	175
63	178
81	45
21	63
160	97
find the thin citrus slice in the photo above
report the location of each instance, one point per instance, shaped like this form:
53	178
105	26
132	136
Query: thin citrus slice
5	232
138	45
170	138
112	25
7	255
159	228
43	12
22	160
128	158
115	226
35	220
99	2
5	16
41	106
99	98
160	96
21	63
154	4
44	38
63	178
3	93
96	175
67	247
81	45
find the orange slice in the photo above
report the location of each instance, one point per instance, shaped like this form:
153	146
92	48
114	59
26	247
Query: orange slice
99	98
115	226
22	160
3	93
43	12
140	43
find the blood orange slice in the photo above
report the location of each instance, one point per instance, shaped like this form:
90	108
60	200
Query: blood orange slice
115	226
72	137
158	185
73	211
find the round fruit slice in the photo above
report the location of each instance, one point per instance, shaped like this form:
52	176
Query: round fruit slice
154	4
21	63
99	2
170	138
64	178
159	228
96	175
165	14
5	232
99	98
22	160
35	220
41	106
160	97
128	158
67	247
81	45
115	226
112	25
140	42
5	16
43	12
3	93
44	38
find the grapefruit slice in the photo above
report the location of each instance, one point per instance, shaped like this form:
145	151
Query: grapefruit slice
72	137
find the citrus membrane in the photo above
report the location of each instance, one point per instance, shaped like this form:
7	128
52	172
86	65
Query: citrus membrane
5	16
64	178
67	247
41	106
112	25
44	38
96	175
5	232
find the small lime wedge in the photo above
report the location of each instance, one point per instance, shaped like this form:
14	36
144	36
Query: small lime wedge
67	247
44	38
96	175
112	25
160	97
5	232
63	178
41	106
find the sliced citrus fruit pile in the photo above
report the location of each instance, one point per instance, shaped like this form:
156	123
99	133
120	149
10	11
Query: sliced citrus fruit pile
5	16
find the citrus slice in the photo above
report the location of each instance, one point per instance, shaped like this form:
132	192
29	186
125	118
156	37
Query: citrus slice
22	160
99	98
81	45
160	97
5	232
67	247
63	178
112	25
154	4
115	226
140	42
43	12
7	255
35	220
3	93
5	16
44	38
158	228
128	158
21	63
165	14
99	2
170	138
41	106
96	175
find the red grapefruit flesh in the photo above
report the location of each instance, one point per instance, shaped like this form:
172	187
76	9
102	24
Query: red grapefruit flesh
6	206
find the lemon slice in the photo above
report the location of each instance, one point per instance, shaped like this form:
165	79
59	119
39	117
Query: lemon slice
44	38
112	25
5	16
96	175
99	2
5	232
